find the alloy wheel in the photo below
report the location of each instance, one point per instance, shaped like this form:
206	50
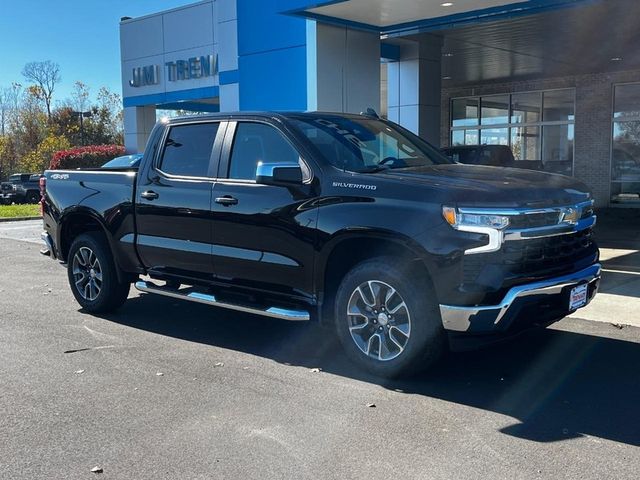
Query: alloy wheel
87	273
379	320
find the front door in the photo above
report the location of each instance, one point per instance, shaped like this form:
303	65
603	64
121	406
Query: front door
173	202
263	236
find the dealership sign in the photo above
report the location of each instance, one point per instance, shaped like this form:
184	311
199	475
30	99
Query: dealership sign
194	67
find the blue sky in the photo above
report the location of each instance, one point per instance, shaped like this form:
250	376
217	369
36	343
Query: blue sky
80	35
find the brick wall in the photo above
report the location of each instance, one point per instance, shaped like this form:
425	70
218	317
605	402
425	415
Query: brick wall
592	142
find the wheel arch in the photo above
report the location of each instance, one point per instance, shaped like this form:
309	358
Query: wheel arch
347	249
79	221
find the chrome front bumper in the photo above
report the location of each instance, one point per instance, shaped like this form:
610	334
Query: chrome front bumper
494	318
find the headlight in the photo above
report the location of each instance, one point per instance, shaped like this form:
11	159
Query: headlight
457	219
485	223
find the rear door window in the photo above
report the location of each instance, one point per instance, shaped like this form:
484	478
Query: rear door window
187	150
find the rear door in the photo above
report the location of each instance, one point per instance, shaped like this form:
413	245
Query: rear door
173	201
263	236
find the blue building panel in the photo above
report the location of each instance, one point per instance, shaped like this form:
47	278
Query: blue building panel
262	26
272	55
274	80
170	97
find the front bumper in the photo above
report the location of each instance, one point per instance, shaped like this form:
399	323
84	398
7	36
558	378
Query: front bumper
7	198
540	302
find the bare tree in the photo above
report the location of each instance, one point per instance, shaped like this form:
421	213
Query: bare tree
9	99
45	75
80	96
5	108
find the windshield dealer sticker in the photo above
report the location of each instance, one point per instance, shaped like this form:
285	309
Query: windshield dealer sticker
357	186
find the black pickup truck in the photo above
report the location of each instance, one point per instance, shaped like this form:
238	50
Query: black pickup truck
28	187
349	220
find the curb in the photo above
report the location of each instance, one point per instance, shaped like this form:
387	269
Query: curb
19	219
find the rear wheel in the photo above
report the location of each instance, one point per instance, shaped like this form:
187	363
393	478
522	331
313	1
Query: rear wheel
92	275
387	321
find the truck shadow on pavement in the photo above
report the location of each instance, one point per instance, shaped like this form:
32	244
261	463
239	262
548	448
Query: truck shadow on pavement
557	385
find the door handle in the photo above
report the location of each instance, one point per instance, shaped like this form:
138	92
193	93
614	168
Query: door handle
227	200
149	195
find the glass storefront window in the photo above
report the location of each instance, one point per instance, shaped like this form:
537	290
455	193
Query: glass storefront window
457	138
625	193
464	112
526	107
495	110
557	148
625	157
464	137
525	143
625	147
537	126
559	105
627	102
494	136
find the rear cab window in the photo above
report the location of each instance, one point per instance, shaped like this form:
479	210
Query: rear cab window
187	150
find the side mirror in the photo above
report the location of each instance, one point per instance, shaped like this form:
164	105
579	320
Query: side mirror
279	174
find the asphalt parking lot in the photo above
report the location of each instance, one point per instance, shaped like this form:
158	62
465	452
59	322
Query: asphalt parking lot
166	389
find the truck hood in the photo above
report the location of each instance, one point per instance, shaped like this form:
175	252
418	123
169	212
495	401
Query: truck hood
493	186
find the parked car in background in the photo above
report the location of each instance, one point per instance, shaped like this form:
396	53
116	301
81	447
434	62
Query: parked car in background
29	183
492	155
126	161
9	193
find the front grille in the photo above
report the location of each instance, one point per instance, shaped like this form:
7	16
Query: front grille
543	219
534	220
539	257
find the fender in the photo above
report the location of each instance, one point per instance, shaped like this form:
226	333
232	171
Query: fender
77	210
366	233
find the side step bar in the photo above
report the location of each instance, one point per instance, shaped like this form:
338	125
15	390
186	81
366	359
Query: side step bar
209	299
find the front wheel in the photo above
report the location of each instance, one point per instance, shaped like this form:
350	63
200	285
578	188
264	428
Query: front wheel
388	322
32	197
92	275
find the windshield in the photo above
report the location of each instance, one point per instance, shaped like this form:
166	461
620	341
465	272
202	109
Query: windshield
366	144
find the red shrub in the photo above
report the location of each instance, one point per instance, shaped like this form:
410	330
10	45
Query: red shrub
91	156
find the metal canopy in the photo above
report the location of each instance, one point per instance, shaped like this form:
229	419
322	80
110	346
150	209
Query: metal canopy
593	38
386	13
493	40
402	17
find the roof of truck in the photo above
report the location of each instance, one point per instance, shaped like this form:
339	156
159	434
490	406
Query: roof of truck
263	114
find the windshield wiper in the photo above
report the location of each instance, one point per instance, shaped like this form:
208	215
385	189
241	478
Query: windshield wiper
374	169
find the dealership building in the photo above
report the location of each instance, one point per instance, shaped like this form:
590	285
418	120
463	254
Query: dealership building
558	81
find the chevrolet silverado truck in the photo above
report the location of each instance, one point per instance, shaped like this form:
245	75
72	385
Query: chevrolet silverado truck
348	220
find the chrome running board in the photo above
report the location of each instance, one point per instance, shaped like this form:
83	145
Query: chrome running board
209	299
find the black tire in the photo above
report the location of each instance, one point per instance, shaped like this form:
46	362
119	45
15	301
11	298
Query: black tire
109	293
32	197
426	342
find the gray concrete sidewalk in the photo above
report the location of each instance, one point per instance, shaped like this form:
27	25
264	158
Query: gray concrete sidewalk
25	231
618	236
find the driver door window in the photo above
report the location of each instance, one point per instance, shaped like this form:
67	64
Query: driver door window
255	143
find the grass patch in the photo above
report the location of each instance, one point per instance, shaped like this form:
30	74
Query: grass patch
15	211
